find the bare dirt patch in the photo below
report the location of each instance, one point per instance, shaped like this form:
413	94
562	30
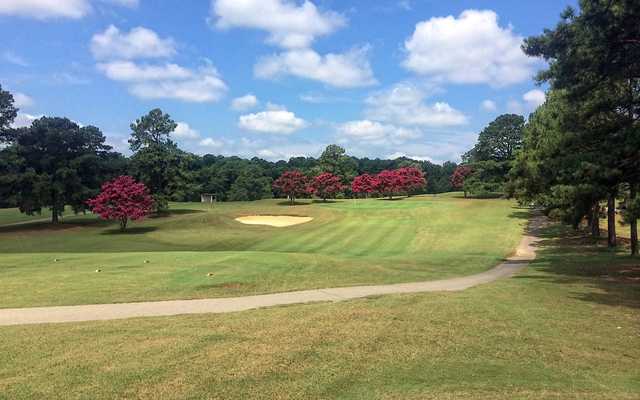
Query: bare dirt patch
279	221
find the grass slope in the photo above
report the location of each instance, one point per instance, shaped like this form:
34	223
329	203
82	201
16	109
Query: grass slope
565	328
347	243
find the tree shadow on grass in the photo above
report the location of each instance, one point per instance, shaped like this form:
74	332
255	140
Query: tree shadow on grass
171	213
42	226
525	214
453	195
328	201
571	257
483	196
295	203
134	230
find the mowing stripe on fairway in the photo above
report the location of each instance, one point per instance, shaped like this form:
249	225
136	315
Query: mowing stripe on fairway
17	316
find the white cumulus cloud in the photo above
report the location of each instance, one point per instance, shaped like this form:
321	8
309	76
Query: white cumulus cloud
128	71
488	105
293	25
399	154
206	87
515	107
345	70
285	151
21	100
375	132
530	101
167	81
404	104
244	103
139	42
44	9
119	51
24	120
534	98
49	9
211	143
275	120
289	24
471	48
186	132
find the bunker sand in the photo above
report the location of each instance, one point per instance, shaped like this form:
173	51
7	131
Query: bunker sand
279	221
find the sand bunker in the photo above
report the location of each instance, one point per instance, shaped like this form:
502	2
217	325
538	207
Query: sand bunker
273	220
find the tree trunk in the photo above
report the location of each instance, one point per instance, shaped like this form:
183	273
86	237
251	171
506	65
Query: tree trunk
465	194
123	223
633	225
611	220
595	220
54	207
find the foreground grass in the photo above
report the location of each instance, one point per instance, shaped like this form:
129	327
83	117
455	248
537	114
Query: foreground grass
565	328
347	243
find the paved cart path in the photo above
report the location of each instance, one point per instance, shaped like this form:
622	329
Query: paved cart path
525	252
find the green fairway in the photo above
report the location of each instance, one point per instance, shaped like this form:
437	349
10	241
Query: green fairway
347	243
565	328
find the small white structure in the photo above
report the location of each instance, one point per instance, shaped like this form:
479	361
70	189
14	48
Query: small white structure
207	198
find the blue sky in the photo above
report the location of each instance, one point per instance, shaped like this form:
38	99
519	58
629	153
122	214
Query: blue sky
278	78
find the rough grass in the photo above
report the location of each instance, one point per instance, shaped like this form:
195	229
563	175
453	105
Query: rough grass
565	328
347	243
622	229
13	216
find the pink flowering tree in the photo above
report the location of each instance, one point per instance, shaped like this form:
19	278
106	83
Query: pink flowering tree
389	182
292	184
122	199
364	184
412	179
458	177
326	185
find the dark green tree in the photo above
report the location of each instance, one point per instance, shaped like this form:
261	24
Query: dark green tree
162	169
157	160
152	129
594	58
10	166
237	179
8	113
492	156
554	171
334	159
251	184
499	140
487	179
56	163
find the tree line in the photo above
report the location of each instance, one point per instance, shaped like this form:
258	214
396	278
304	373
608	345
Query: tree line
56	163
484	171
581	149
406	180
